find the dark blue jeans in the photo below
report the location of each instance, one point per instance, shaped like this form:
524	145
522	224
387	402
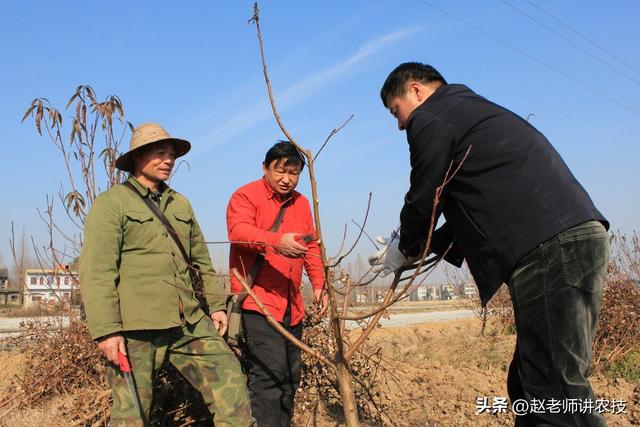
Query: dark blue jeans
556	291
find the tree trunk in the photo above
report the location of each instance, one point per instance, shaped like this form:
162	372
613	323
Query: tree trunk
484	321
348	395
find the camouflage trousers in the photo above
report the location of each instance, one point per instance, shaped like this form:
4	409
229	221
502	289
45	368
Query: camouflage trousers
201	355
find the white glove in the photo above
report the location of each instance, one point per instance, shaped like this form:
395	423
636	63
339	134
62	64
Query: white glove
389	258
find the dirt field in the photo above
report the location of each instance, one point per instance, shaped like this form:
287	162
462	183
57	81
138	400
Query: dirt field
440	369
436	373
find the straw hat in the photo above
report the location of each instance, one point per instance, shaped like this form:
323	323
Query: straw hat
146	134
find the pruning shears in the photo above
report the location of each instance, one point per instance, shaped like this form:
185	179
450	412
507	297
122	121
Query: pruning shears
125	368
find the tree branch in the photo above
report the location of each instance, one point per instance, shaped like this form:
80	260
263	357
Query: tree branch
273	322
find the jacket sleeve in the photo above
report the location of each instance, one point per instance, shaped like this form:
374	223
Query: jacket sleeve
99	264
312	259
214	288
431	146
242	228
441	239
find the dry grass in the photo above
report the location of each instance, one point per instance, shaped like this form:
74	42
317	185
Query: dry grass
36	310
11	366
434	373
319	391
441	368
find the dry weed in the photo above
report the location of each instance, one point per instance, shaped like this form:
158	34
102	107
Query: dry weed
618	333
58	361
319	387
59	376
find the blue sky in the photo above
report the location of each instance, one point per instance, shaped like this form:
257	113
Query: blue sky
195	68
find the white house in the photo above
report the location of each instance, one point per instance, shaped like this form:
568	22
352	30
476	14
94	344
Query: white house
8	293
470	290
421	293
447	291
49	286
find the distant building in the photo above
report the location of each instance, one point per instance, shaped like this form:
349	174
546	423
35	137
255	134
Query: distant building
426	293
447	292
433	292
441	292
49	286
421	293
362	298
470	290
8	294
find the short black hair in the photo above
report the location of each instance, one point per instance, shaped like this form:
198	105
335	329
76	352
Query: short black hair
284	150
403	73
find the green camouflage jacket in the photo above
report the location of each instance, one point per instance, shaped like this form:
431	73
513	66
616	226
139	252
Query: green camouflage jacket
132	276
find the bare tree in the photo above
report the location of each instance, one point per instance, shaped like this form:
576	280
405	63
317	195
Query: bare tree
22	260
93	138
339	286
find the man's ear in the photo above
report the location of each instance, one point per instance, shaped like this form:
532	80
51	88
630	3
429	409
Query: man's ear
413	89
264	168
423	91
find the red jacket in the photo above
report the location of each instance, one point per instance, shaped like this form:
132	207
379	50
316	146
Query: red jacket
251	212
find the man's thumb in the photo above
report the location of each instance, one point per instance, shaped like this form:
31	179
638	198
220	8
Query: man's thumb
121	347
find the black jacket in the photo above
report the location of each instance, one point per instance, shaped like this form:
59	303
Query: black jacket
511	193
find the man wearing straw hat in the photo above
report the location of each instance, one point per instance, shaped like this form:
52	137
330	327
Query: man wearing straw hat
138	290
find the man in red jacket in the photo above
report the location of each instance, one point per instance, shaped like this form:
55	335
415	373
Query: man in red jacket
273	363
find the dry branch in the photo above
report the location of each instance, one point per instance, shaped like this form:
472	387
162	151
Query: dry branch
273	322
333	132
364	222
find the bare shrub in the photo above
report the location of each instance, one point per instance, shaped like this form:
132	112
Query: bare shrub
59	360
62	360
319	385
500	308
498	312
618	332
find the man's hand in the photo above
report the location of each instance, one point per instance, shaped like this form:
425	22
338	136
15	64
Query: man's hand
321	300
290	247
219	319
111	345
389	258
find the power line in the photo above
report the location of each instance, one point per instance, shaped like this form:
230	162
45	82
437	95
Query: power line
583	36
522	52
563	37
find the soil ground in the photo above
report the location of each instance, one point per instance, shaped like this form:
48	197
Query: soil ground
435	373
438	370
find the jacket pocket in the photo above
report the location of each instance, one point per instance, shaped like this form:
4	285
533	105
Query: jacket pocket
139	230
183	217
139	217
183	223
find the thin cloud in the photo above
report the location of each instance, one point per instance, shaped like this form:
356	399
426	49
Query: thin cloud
259	111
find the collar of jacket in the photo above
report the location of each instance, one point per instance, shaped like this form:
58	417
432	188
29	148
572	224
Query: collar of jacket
440	93
144	190
271	194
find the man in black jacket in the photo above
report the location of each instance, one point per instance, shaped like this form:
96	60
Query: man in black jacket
517	215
